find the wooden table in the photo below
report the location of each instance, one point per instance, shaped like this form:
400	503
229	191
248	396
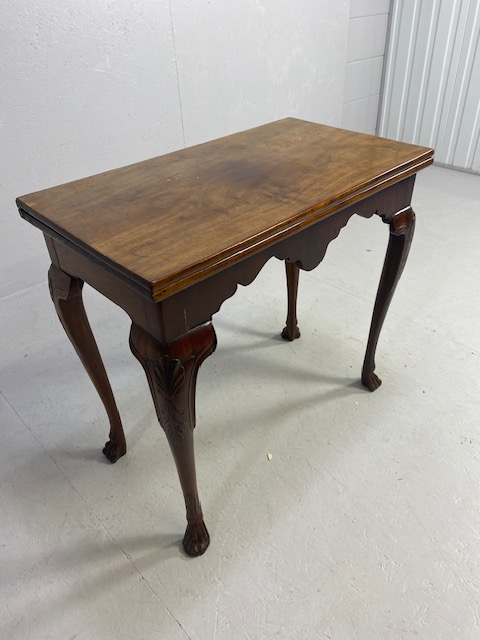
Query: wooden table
170	239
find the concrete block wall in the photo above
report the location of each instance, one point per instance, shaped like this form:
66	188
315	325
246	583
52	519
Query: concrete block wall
367	31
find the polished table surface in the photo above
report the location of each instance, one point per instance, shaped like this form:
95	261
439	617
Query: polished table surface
170	238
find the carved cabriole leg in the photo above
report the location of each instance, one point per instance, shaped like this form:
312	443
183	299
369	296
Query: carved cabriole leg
66	293
402	225
291	331
172	373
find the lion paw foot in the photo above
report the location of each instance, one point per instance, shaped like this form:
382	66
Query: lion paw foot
371	381
287	334
196	539
114	450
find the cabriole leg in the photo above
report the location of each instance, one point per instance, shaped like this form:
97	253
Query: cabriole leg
66	293
291	331
402	226
172	373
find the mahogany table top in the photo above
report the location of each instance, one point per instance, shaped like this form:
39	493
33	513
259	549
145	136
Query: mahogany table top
173	220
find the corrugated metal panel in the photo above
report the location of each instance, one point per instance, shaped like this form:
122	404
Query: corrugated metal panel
432	79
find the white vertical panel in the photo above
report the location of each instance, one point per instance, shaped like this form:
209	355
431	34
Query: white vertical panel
455	79
446	19
476	157
391	58
432	79
410	21
464	114
401	61
472	116
424	47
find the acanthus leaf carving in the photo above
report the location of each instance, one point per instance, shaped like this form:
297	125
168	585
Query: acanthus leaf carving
169	375
169	378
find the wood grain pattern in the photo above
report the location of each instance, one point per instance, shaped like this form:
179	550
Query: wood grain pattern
174	220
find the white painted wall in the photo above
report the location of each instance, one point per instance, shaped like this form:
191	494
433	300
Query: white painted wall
367	32
87	85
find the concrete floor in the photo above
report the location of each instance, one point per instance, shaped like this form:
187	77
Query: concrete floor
365	523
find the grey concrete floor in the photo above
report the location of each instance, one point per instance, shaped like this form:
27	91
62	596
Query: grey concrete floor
365	522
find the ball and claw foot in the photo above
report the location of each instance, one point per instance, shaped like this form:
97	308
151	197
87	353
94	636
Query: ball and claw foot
287	334
196	539
371	380
114	450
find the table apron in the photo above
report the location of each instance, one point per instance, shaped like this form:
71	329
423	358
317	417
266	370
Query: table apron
181	312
